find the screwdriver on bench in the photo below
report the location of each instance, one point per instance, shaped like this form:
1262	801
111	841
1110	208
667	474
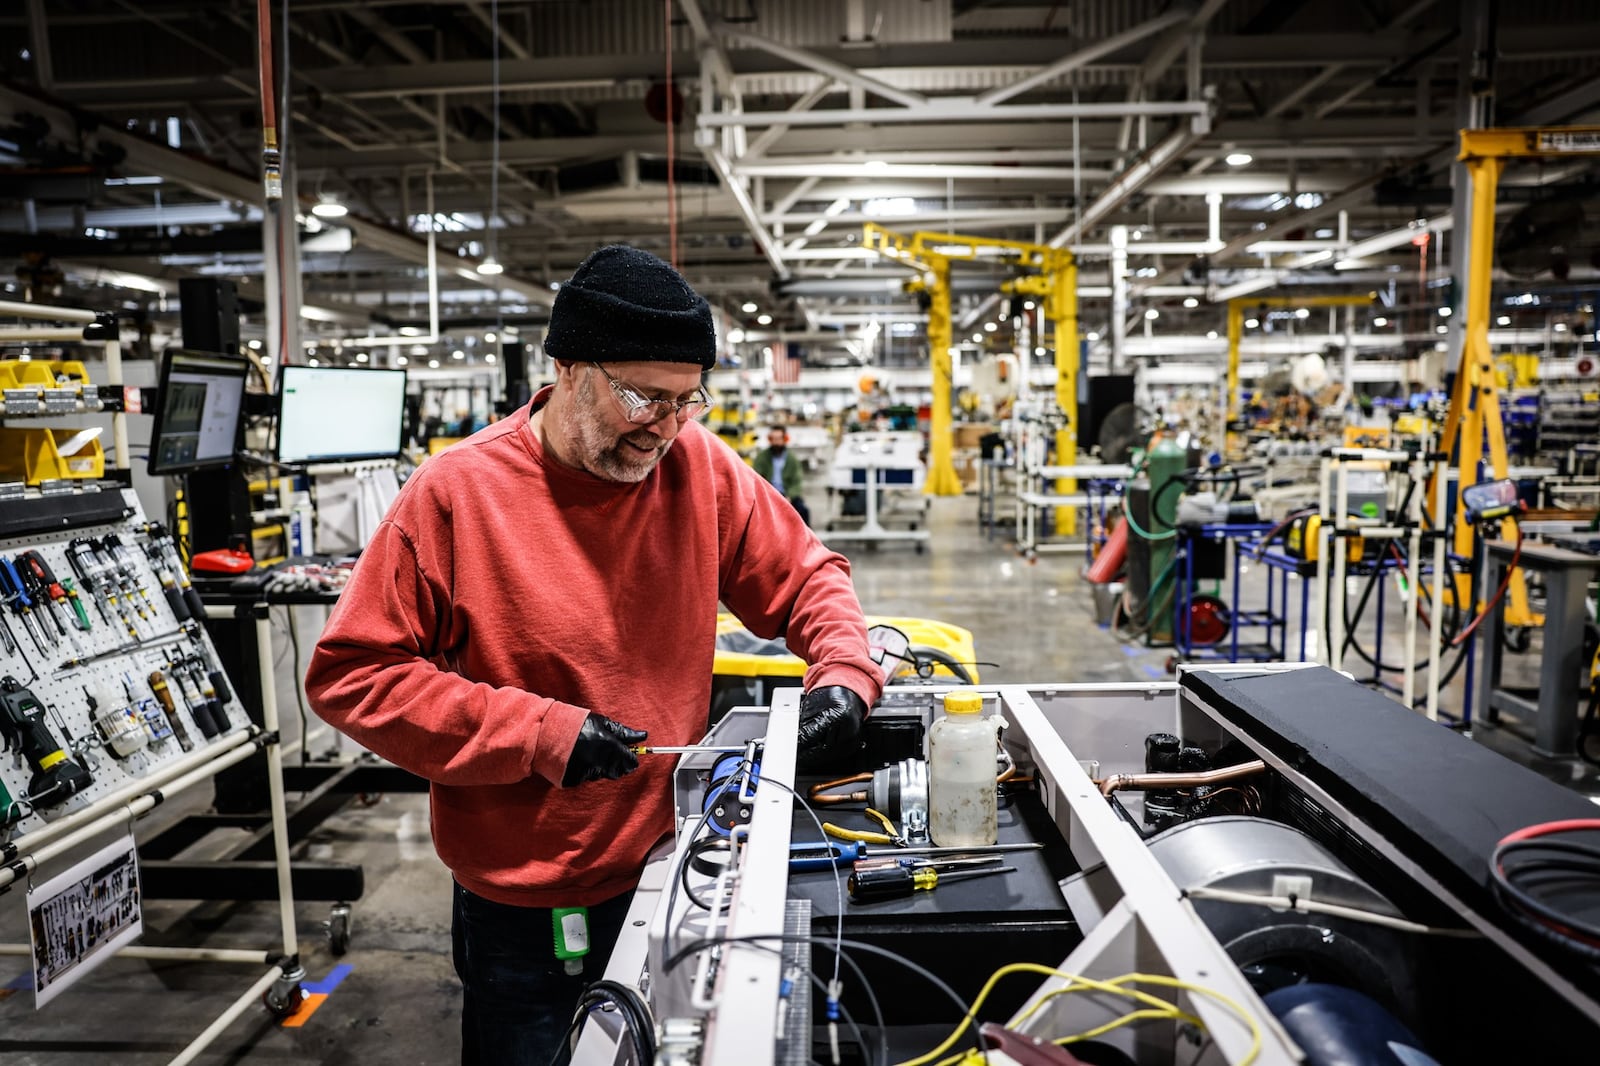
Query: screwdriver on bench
897	882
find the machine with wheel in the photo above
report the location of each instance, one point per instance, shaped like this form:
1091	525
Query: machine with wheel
1267	865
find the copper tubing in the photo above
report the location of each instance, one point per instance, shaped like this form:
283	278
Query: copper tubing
1142	782
817	797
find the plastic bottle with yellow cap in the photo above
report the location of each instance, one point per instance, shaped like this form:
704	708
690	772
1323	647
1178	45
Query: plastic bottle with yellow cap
961	773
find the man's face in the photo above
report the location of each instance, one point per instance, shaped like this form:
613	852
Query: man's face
596	434
777	439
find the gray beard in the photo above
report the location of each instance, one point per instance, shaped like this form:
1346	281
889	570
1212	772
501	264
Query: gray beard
599	451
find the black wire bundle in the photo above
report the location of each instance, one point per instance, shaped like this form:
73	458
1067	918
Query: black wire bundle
637	1022
1526	864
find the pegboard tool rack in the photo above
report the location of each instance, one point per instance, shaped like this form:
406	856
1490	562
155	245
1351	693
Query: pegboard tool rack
135	620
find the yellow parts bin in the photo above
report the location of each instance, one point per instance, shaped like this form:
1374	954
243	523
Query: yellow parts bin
35	455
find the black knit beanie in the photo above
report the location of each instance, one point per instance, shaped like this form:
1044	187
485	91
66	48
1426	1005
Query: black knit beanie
623	305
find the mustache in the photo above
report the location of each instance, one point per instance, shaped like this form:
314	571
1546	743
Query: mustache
644	440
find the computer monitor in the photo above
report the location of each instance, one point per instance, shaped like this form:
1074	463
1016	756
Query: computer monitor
333	414
199	400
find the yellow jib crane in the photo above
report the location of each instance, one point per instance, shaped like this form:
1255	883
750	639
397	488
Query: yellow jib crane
1236	309
1473	421
1056	285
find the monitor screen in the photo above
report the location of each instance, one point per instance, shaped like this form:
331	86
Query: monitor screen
199	399
331	414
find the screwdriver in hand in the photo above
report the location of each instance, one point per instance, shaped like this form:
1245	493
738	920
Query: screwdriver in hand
897	882
686	749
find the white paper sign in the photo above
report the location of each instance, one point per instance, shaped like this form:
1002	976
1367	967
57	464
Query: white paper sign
77	919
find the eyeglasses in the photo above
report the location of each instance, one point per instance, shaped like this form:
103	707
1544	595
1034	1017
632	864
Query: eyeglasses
641	410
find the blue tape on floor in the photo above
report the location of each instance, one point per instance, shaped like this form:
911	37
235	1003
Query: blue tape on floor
1155	672
1130	650
23	982
330	982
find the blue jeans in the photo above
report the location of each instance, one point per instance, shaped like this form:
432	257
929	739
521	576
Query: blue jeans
518	998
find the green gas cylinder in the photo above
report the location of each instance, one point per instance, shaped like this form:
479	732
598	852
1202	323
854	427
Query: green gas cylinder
1167	459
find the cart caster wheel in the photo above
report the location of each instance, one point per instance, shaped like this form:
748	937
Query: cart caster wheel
285	996
1172	664
339	929
369	799
1519	639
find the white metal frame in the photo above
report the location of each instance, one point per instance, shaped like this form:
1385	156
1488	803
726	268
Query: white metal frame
117	811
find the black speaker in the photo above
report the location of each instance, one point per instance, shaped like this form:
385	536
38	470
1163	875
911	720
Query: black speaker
209	315
1096	397
515	359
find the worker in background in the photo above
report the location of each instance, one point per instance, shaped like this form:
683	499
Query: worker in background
774	465
542	598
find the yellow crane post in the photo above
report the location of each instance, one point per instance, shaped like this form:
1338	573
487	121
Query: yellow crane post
1056	285
1236	310
1473	420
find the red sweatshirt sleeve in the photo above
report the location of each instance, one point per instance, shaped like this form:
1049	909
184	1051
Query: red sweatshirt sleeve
384	674
780	580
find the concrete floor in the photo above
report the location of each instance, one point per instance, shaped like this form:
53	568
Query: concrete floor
398	1001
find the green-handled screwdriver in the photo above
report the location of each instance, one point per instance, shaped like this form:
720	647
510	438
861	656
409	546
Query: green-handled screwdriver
896	882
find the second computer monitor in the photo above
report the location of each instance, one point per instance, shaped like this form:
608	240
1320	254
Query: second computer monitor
336	414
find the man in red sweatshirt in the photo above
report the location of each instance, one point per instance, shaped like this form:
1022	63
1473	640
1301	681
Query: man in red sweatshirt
544	595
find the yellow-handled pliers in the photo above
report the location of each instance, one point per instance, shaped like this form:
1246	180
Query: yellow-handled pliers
890	834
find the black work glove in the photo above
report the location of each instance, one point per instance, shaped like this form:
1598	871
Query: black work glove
601	751
830	726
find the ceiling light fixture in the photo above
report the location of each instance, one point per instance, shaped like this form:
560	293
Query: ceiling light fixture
989	327
749	307
491	263
764	320
1503	320
1380	321
1151	315
1239	159
328	206
1190	301
1251	323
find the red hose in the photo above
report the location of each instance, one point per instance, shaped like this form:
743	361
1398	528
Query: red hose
1108	563
1499	593
672	121
269	110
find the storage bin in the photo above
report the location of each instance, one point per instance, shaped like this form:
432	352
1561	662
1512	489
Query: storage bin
87	456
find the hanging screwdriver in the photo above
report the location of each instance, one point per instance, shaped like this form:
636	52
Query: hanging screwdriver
57	592
197	671
161	547
48	605
87	562
197	705
123	581
82	564
16	594
896	882
163	694
40	599
126	565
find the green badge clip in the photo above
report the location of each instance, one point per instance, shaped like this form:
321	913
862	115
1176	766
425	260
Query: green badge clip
570	926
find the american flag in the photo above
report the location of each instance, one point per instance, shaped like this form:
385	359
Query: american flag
785	364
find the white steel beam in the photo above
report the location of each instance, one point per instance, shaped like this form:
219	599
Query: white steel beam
1130	181
1086	55
747	209
959	109
801	57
